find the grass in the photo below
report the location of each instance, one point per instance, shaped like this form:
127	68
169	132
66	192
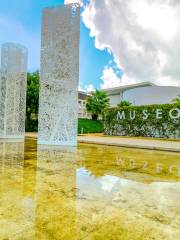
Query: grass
89	126
84	126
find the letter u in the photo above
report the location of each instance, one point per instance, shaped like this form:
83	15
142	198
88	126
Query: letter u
132	116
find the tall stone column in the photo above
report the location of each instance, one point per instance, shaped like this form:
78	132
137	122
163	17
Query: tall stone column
13	82
58	104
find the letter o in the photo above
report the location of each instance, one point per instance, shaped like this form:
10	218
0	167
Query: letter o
172	115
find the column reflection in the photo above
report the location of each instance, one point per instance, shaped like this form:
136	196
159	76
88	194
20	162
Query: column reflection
11	175
55	193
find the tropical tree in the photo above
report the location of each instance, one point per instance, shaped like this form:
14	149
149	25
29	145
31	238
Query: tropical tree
176	100
32	98
97	103
124	103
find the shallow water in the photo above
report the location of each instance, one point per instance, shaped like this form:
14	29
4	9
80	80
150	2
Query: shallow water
89	192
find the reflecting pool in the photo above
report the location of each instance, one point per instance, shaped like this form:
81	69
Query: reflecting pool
88	192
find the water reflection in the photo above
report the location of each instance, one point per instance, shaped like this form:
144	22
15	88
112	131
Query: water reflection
13	207
133	164
89	192
11	153
55	193
131	209
128	193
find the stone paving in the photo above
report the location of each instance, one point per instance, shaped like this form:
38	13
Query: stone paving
164	145
143	143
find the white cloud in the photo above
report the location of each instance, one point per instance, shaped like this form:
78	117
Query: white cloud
90	88
80	89
111	79
73	1
87	88
142	35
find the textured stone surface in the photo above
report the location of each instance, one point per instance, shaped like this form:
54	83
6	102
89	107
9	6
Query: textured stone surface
13	81
58	106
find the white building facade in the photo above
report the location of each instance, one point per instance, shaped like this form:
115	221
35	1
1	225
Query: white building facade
142	94
82	100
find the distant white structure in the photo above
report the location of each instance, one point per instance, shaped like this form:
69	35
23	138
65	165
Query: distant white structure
13	82
82	100
58	106
145	93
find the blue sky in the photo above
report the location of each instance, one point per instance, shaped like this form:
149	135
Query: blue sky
20	21
139	44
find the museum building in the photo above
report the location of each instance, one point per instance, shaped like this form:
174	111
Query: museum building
145	93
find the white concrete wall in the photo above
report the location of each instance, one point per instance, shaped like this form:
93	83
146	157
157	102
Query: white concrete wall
115	99
151	95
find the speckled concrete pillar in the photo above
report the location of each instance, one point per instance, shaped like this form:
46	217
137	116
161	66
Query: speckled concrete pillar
58	106
13	82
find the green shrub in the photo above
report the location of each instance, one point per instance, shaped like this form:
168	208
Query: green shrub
166	127
124	103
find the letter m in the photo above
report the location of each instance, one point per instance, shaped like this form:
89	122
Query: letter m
121	115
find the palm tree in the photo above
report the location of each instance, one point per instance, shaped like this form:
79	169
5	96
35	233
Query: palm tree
124	103
97	103
176	100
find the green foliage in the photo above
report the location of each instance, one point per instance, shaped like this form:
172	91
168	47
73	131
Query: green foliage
124	103
176	100
32	125
32	100
97	103
150	127
89	126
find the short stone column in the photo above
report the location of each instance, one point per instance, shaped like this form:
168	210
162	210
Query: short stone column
13	82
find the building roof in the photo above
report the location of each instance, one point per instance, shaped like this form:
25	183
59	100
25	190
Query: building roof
127	87
82	95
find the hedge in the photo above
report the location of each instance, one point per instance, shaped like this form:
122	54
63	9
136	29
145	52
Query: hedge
164	127
84	126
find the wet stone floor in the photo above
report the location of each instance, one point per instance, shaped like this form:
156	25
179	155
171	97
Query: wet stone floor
90	192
